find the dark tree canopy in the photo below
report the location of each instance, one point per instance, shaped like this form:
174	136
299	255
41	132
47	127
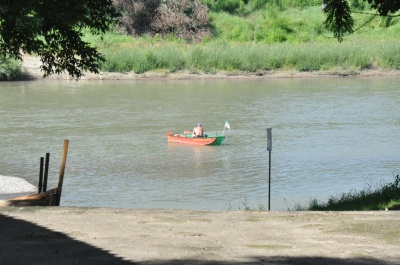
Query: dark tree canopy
339	19
52	29
385	6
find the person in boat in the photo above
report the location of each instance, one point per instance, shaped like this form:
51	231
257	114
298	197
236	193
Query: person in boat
198	131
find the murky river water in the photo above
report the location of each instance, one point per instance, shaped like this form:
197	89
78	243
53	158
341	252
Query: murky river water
330	135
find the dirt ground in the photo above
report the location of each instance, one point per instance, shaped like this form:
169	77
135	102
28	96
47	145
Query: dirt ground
72	235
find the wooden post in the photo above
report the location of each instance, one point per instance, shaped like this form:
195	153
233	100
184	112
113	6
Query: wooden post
62	170
46	172
40	185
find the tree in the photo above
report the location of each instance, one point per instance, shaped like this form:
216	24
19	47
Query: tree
53	29
339	19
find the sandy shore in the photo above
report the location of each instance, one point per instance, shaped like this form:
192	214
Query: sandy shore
32	67
67	235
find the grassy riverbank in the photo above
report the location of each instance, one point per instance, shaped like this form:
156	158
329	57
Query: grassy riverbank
255	58
387	196
154	57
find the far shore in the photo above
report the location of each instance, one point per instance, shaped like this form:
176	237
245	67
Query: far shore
32	67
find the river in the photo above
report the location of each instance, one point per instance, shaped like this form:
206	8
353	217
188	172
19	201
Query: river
329	136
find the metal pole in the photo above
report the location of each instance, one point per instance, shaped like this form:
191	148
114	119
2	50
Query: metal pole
269	148
269	182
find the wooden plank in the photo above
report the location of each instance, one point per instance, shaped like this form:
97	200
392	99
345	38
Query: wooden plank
42	199
62	170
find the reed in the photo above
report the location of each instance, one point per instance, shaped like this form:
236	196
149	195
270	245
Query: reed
143	59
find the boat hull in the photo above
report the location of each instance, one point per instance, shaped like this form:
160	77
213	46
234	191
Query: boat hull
185	138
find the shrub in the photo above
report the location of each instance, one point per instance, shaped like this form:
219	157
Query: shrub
273	28
137	15
257	4
229	6
298	3
231	27
9	69
188	19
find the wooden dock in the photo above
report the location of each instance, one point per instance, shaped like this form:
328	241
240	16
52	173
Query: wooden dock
44	197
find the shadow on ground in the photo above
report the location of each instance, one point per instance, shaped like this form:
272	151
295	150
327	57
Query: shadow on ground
23	242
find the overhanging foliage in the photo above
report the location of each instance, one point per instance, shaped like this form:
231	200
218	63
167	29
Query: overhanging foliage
338	14
53	31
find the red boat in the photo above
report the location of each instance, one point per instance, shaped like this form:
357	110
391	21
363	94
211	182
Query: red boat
187	138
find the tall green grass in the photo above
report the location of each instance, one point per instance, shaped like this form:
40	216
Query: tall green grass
384	197
143	59
216	56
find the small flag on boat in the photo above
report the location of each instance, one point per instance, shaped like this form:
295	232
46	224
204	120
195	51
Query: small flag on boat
227	124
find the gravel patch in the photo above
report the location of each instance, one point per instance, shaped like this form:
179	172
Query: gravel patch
10	186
